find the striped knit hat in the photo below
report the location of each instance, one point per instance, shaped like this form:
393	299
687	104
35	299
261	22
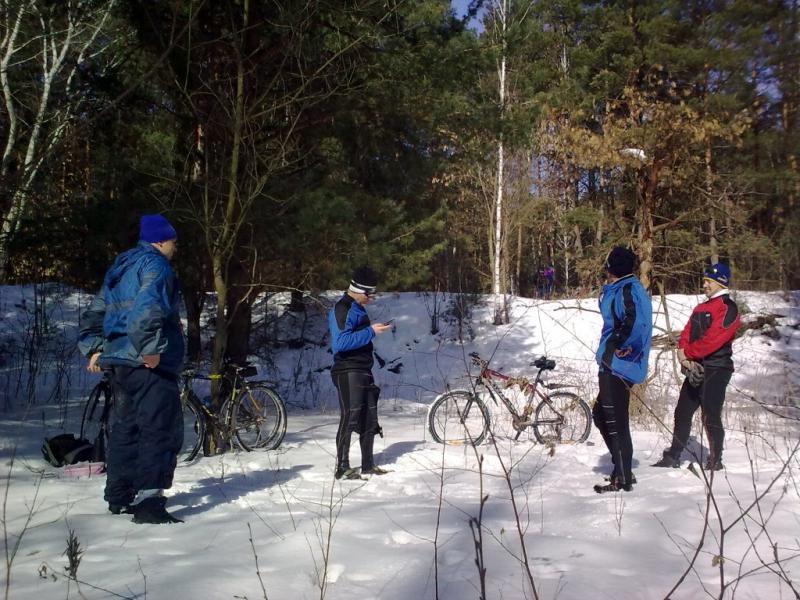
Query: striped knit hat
364	281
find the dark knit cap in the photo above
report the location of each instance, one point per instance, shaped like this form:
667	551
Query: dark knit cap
364	281
155	228
620	261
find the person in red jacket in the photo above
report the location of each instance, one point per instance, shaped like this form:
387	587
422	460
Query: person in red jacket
704	351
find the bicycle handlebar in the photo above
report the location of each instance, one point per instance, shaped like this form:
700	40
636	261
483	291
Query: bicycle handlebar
477	360
542	363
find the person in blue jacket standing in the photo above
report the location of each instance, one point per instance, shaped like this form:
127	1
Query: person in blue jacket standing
351	344
622	359
132	327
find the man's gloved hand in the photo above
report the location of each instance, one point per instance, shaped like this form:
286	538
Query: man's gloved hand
694	372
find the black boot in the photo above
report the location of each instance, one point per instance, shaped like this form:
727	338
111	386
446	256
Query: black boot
366	441
668	461
347	473
374	470
713	464
120	509
613	486
152	510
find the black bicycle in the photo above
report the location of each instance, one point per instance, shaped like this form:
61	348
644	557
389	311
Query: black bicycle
252	414
460	417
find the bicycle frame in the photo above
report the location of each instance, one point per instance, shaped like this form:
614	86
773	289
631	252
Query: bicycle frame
486	379
554	417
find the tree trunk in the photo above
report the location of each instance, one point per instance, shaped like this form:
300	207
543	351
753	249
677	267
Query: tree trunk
223	248
518	269
193	299
239	311
296	304
712	222
500	315
646	200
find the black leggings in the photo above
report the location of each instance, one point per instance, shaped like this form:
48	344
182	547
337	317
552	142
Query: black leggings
610	416
709	396
358	405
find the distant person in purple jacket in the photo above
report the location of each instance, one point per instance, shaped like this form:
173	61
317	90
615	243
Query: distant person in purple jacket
549	281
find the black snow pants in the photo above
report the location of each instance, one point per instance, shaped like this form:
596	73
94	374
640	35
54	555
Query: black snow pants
709	397
146	434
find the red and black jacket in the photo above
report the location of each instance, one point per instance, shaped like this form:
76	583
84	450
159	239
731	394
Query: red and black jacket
708	336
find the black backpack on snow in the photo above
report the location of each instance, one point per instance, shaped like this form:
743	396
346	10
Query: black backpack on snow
66	449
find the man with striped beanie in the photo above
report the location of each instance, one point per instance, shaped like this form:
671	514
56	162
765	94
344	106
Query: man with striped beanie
351	344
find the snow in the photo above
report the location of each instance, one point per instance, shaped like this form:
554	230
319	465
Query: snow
407	534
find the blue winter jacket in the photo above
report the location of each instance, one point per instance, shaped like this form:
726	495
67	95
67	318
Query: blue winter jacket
135	313
351	336
627	323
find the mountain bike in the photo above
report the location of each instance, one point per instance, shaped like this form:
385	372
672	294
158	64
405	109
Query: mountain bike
252	413
461	417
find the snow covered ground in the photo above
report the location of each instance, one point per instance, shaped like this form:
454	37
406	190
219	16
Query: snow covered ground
276	524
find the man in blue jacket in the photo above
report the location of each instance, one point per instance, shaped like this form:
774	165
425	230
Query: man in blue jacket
132	327
622	358
351	344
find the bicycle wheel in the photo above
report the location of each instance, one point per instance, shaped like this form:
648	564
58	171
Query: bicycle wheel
458	418
562	418
259	418
95	422
194	427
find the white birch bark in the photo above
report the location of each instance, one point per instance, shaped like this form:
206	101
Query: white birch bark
58	42
499	299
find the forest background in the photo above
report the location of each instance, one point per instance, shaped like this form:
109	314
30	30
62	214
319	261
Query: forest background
456	151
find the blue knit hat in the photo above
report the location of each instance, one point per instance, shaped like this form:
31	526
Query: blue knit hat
719	273
155	228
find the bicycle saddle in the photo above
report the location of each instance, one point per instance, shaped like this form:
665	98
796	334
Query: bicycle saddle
544	364
244	369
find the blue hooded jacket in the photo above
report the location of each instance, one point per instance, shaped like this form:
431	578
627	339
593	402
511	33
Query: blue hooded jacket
136	313
627	323
351	336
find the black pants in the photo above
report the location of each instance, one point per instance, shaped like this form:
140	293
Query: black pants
709	396
358	405
610	416
146	435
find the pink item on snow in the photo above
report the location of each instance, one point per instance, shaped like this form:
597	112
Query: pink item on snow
85	469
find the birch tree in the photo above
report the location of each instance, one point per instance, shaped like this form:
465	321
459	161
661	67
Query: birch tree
500	312
43	48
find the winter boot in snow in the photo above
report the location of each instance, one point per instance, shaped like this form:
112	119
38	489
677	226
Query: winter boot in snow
367	441
668	461
713	464
346	473
120	509
374	470
613	486
152	510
